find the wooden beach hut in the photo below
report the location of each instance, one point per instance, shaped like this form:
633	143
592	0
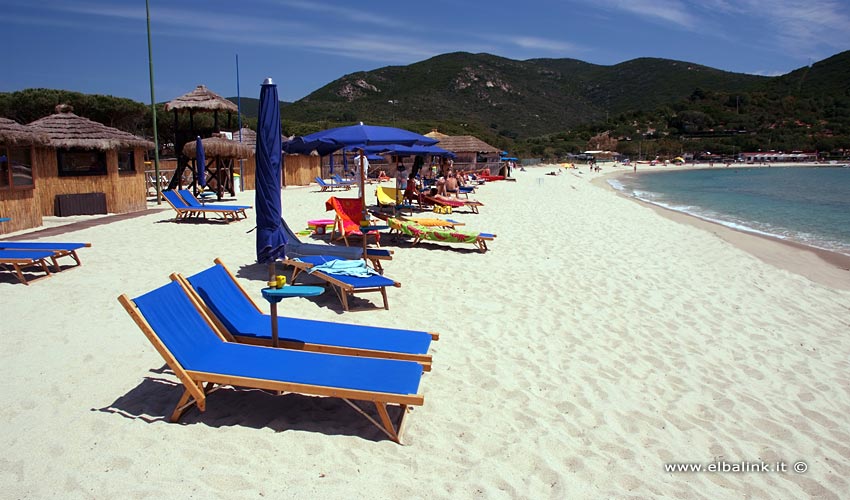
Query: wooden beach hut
220	154
18	200
471	153
199	100
88	167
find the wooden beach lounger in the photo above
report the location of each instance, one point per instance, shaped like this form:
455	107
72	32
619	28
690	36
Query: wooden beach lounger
59	249
452	202
420	233
201	358
192	201
185	211
297	248
234	313
17	260
341	284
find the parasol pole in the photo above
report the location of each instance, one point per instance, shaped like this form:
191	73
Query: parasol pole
239	117
153	110
363	201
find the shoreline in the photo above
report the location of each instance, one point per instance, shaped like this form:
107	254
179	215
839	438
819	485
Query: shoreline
816	264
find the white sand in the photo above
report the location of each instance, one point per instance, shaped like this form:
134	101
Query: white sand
594	343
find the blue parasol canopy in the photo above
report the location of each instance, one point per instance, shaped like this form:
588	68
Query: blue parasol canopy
270	236
201	161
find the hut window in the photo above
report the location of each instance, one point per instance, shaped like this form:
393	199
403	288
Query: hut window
126	160
15	168
74	162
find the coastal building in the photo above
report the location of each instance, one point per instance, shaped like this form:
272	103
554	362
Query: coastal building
18	202
88	167
471	153
774	156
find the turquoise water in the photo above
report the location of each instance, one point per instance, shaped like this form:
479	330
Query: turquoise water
809	205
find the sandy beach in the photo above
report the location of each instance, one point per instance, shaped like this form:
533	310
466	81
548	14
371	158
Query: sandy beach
595	344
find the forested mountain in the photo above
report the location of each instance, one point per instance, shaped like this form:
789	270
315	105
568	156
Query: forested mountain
544	107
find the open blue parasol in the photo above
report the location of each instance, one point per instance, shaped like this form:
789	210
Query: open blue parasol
270	235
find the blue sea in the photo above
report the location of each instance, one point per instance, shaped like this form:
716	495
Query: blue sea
809	205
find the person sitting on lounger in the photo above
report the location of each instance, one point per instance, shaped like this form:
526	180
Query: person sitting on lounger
441	186
451	184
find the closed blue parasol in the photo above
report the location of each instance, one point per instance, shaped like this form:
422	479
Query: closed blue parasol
201	161
270	236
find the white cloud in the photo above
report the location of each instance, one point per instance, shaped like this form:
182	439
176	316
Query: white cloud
665	11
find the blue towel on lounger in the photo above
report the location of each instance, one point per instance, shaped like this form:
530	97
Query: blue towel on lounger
345	267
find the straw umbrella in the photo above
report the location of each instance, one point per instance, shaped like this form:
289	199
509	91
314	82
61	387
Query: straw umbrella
221	150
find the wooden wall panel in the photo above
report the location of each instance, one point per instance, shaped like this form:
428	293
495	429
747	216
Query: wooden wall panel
125	192
300	170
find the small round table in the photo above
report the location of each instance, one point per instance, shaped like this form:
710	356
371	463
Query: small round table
320	226
275	295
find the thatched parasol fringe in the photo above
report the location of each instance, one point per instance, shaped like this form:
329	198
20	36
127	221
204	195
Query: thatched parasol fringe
202	99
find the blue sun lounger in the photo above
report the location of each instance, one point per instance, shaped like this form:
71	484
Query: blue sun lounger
190	200
233	311
20	259
185	211
296	248
59	249
330	186
199	356
342	284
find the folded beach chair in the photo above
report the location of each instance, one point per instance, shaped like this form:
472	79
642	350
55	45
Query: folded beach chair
194	202
17	260
296	248
59	249
342	283
233	311
452	202
201	358
185	211
420	233
349	211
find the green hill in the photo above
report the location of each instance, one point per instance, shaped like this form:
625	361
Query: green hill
516	98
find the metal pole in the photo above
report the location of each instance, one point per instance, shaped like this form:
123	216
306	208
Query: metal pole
153	109
239	113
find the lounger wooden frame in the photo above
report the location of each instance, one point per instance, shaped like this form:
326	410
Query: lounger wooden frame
18	266
199	384
480	240
424	359
185	213
341	288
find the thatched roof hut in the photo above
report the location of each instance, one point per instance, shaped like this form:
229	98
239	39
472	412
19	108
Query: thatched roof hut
14	134
465	143
219	147
67	130
201	99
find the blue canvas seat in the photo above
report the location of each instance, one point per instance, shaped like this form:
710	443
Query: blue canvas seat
236	314
201	358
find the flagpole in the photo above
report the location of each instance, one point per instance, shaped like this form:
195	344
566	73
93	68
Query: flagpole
153	110
239	113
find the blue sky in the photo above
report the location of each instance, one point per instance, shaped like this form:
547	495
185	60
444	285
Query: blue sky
100	46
